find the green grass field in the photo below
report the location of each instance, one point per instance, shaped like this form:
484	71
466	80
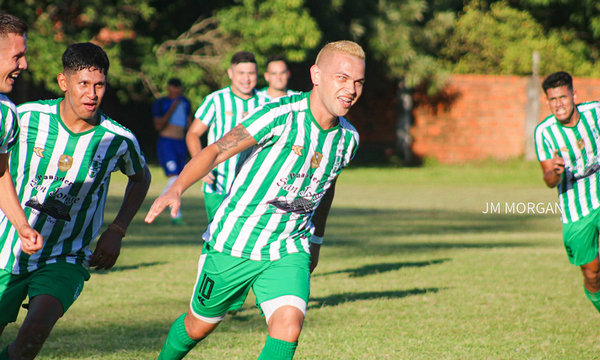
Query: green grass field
410	269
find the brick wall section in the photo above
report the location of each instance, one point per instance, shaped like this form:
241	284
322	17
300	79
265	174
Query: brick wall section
480	117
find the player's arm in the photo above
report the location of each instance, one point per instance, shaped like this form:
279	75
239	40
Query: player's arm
319	220
234	142
192	140
31	240
553	170
108	247
161	122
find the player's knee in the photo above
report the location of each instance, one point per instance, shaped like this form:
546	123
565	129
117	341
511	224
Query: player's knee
286	323
592	277
198	329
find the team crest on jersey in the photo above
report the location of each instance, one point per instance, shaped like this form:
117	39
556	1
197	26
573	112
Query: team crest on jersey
316	160
39	151
297	149
595	132
65	162
95	167
580	144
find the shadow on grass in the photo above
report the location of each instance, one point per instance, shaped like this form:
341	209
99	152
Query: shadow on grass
128	267
338	299
382	268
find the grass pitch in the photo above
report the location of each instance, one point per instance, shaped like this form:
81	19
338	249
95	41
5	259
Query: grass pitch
411	268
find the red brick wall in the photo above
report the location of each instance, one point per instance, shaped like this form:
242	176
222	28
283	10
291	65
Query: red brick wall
480	117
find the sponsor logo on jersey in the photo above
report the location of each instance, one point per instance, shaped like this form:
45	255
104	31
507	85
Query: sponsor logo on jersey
297	149
95	167
229	113
316	160
244	114
581	144
50	207
39	151
65	162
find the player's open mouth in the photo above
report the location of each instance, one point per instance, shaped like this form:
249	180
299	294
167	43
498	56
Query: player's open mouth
90	107
346	101
13	76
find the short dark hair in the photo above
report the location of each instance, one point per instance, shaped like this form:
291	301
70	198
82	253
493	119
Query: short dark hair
10	24
273	58
243	57
85	56
558	79
174	82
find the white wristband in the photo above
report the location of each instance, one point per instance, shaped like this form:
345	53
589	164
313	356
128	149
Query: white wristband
316	239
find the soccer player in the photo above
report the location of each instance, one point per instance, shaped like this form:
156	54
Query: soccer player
568	148
172	115
13	45
220	112
62	164
266	235
277	77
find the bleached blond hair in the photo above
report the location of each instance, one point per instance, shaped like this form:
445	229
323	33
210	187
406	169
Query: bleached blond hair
342	46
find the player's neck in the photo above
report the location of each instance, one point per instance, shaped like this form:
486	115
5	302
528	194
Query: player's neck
73	122
323	117
240	94
573	120
274	93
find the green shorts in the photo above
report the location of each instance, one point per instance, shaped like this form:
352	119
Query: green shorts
212	201
224	281
62	280
581	238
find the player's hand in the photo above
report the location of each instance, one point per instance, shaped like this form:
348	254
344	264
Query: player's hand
168	199
209	179
558	163
315	250
107	250
31	240
174	103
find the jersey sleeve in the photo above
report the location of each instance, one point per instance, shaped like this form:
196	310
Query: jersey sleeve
157	108
9	126
543	145
132	161
207	110
265	125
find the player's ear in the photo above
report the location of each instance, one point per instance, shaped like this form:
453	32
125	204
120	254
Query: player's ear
574	95
315	74
230	73
62	81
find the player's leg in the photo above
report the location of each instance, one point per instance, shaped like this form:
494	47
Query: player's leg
282	292
581	244
52	290
13	291
167	158
222	284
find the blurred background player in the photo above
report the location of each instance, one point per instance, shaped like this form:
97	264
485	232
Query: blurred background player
267	233
568	148
172	115
13	45
277	76
62	165
220	112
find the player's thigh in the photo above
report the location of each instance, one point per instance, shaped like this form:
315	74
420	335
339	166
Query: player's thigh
286	282
580	239
63	281
222	284
13	291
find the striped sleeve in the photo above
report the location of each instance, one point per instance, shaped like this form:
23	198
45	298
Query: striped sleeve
207	111
543	147
132	159
266	125
9	125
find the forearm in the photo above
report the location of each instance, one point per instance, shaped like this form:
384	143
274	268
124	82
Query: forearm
135	193
192	141
322	212
197	168
9	202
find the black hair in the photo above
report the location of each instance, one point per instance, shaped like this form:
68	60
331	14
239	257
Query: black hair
10	24
174	82
85	56
273	58
242	57
558	79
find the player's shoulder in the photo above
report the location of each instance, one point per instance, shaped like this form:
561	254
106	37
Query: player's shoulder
5	102
587	106
289	103
347	125
548	122
114	127
40	106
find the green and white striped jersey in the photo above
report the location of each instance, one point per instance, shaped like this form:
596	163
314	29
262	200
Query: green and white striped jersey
281	181
9	124
221	111
267	98
62	181
579	189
